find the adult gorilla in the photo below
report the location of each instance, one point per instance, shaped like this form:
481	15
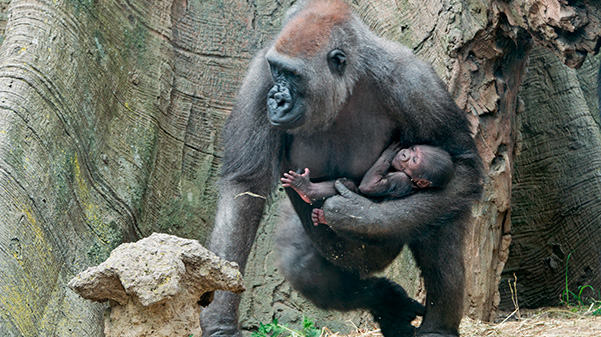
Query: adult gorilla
330	95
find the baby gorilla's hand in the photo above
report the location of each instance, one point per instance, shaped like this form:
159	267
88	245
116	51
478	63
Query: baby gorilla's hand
392	150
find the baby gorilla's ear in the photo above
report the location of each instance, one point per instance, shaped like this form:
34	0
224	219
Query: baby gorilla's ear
422	183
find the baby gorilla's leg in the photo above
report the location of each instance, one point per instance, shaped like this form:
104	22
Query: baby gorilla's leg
317	216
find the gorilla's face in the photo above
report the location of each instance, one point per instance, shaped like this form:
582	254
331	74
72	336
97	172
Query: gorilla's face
308	92
286	99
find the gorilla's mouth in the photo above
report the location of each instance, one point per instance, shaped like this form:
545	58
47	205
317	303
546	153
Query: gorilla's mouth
288	121
282	107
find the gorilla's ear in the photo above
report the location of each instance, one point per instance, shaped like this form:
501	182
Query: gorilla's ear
337	61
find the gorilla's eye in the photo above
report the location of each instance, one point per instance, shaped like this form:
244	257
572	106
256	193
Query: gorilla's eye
337	61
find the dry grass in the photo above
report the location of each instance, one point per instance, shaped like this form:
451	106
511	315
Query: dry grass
541	322
549	322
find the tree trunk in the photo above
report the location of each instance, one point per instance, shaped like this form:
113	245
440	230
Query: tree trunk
110	114
555	198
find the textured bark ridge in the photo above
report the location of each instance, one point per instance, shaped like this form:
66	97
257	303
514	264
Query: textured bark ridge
489	56
555	209
571	29
154	286
555	195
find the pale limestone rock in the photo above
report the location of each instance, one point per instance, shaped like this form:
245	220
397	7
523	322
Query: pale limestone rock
154	285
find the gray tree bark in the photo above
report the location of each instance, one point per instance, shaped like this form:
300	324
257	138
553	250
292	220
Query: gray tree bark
555	197
110	114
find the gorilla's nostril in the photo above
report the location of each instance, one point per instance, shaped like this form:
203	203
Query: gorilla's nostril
280	99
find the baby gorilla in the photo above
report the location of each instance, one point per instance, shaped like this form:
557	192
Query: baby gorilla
415	168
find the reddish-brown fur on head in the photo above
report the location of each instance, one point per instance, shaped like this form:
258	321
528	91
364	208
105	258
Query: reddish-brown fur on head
310	30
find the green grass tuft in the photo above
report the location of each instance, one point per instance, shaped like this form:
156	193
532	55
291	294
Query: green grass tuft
274	329
580	302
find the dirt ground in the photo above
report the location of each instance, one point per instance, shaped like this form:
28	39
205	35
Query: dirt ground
549	322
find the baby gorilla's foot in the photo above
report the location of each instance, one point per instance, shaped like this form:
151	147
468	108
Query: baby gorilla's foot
317	216
299	182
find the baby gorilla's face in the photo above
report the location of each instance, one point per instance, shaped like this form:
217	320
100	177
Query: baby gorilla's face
409	161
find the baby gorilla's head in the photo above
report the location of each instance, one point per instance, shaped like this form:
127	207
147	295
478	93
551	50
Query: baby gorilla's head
428	166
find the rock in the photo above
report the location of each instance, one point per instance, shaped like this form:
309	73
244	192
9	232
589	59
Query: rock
154	286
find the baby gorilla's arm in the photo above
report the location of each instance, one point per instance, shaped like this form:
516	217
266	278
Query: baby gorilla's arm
375	182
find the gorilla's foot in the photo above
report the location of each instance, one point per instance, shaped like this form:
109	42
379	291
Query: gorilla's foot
396	310
394	328
222	333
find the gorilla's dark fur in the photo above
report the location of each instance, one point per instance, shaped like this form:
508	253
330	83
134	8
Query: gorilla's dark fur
330	95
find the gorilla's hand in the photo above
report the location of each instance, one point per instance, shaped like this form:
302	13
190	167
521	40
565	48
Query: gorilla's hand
349	212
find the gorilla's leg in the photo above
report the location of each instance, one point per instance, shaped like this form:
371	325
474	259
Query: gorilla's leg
393	310
330	287
440	257
221	317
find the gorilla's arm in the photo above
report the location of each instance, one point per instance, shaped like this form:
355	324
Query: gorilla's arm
406	218
428	115
250	166
249	169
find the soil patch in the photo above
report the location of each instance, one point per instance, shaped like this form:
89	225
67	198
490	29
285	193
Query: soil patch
548	322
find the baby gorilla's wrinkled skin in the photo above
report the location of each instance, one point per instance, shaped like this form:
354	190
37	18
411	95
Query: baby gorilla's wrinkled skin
416	168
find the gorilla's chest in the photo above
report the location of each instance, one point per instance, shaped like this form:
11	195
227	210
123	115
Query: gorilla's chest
342	152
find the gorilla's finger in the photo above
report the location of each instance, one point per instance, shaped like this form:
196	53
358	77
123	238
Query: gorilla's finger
343	190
